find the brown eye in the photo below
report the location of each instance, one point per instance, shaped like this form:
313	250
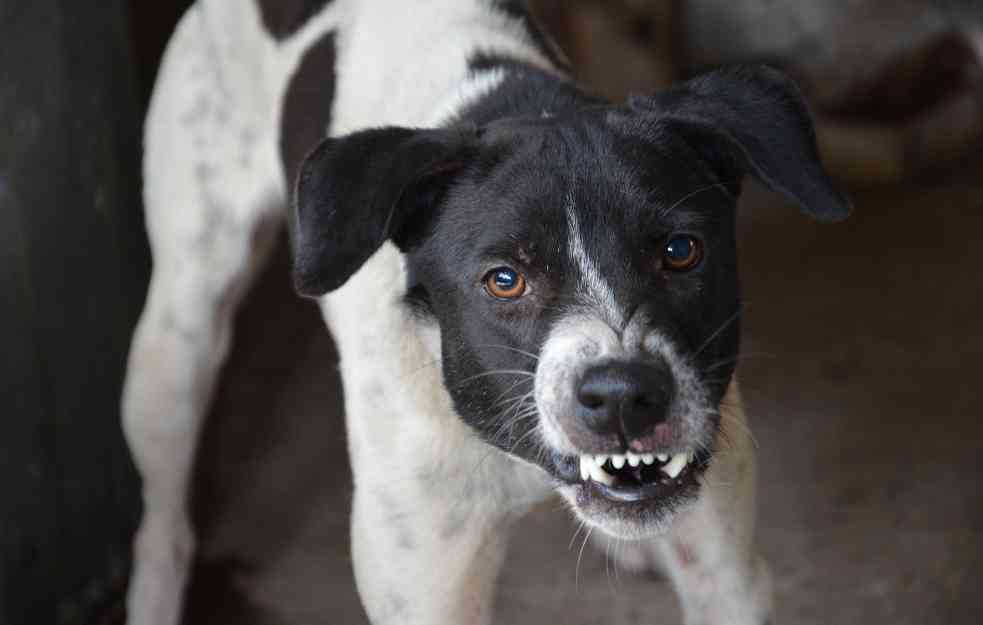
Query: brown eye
682	252
505	283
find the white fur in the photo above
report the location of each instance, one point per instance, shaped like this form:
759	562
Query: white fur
594	284
432	503
467	92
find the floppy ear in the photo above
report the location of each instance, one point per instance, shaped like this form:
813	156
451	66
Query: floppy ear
355	192
752	119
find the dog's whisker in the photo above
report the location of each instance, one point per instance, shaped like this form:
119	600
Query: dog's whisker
576	575
581	524
717	332
511	403
502	397
516	444
519	372
692	194
509	425
510	348
607	563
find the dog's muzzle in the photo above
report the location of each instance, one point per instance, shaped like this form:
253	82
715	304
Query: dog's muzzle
628	422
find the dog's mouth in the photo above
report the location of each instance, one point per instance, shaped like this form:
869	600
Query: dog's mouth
639	477
644	487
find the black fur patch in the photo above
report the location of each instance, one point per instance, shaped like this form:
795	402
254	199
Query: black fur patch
307	106
283	18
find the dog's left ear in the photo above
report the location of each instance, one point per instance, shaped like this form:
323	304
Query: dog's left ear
355	192
751	119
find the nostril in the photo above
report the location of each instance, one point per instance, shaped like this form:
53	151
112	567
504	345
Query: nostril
641	402
591	400
592	397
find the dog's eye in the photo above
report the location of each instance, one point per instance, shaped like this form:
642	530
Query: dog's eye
682	252
505	283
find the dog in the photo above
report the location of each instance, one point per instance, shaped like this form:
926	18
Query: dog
532	290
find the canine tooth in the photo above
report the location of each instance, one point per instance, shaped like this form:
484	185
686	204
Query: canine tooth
662	457
648	458
600	475
601	459
617	461
633	460
585	465
675	466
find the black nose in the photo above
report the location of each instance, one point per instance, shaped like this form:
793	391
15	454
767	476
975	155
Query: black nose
628	396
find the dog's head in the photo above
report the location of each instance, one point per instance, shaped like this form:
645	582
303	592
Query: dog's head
581	269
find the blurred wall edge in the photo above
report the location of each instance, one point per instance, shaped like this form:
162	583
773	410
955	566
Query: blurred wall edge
74	266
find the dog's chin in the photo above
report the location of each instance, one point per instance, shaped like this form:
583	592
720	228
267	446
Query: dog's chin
638	502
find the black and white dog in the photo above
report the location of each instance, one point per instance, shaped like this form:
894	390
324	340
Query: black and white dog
532	291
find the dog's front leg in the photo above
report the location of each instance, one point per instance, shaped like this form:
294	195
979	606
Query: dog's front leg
430	523
717	575
425	560
709	552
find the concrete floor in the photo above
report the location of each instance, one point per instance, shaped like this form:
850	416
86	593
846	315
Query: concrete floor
862	378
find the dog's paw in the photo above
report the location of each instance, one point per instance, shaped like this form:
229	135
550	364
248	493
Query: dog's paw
161	561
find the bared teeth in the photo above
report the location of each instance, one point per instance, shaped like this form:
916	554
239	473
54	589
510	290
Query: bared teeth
592	466
598	474
675	466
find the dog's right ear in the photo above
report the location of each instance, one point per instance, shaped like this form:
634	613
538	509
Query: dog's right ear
751	119
354	192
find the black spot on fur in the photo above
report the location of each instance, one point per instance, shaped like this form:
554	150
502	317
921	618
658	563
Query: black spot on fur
307	105
455	523
395	608
404	540
282	18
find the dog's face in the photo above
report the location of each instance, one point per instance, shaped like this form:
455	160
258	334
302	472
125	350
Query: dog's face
588	306
581	270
